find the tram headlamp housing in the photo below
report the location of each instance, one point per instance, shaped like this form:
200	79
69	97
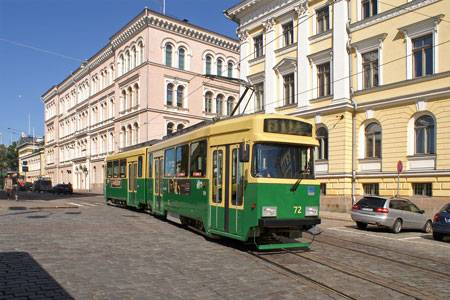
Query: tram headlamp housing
311	211
269	211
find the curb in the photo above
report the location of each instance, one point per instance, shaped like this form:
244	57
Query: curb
35	207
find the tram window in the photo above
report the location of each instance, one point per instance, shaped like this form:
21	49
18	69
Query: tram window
116	168
237	179
169	168
109	169
198	159
140	166
123	168
182	160
217	176
150	165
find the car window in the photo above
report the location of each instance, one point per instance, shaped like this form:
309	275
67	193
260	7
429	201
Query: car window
371	202
446	209
413	207
404	205
394	204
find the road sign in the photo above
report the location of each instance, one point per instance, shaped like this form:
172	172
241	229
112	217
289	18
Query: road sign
399	166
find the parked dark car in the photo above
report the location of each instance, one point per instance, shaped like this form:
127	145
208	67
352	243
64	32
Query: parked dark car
62	189
42	185
26	186
441	223
392	213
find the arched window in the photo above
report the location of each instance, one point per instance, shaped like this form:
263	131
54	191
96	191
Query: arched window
322	136
170	127
129	135
424	133
123	137
180	95
133	57
130	95
208	64
141	53
169	97
230	69
180	127
123	100
230	105
373	140
208	102
136	133
121	63
181	56
219	67
136	94
168	55
219	105
128	61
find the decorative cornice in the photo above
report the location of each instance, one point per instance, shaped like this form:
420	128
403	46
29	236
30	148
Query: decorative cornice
203	36
131	30
392	13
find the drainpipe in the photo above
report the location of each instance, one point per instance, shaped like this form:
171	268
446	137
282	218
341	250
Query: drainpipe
355	106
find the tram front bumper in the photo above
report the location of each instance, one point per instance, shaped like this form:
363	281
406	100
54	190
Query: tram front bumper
280	223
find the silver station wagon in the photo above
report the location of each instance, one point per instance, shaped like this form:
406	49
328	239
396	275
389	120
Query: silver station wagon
393	213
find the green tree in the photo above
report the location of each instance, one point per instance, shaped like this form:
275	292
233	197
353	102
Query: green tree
9	157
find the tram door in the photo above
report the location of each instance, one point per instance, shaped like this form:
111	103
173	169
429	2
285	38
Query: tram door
226	204
132	183
217	204
158	183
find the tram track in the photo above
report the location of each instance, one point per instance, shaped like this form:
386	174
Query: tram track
343	269
360	244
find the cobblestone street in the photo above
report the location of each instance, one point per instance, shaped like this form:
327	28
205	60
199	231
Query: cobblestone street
94	251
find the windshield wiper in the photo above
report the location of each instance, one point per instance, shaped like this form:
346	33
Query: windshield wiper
296	184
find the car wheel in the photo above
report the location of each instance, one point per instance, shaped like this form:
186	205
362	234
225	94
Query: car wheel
397	227
427	227
438	236
361	225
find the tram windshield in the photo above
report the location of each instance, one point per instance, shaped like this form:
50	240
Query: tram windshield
282	161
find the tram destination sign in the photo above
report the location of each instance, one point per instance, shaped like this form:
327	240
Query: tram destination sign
284	126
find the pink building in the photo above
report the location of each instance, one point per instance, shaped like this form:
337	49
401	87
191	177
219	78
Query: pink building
147	82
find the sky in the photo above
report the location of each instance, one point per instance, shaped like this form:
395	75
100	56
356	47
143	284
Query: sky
42	41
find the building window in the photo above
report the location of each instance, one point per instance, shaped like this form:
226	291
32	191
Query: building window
180	127
208	64
168	55
219	105
181	55
373	140
369	8
371	189
423	56
219	67
258	41
424	132
370	69
170	128
322	136
230	105
323	20
288	33
323	78
169	98
323	189
289	89
259	97
208	102
230	69
423	189
180	96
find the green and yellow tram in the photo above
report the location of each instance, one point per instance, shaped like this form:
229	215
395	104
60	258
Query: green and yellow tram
249	178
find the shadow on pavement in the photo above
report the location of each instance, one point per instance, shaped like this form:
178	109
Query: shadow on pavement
22	277
46	196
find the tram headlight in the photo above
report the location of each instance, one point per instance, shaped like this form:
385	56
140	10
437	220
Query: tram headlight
269	211
311	211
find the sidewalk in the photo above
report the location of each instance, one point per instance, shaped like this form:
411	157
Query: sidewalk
335	216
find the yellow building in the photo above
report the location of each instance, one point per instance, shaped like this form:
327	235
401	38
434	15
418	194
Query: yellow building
31	158
374	77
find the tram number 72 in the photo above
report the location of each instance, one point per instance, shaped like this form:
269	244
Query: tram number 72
297	210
